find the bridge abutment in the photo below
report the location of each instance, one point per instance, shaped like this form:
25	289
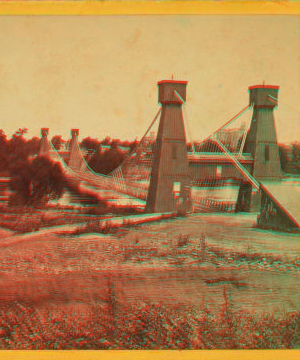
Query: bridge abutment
169	189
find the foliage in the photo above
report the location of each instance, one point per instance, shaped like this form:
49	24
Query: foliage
57	141
106	141
36	181
145	325
16	149
89	144
290	157
296	157
183	240
3	151
106	161
93	226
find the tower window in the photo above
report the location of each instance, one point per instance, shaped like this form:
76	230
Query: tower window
267	153
219	171
174	152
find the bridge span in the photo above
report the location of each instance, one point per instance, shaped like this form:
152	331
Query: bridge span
234	169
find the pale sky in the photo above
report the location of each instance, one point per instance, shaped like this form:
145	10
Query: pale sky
99	73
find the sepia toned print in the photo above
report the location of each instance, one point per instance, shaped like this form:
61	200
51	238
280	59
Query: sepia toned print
149	182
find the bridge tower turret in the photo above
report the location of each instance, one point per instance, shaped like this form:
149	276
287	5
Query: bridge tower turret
75	159
261	143
44	142
169	184
261	140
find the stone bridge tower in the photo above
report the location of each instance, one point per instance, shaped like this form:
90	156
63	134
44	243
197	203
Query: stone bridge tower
44	143
261	142
75	161
169	189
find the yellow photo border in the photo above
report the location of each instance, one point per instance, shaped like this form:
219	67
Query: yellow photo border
149	7
142	7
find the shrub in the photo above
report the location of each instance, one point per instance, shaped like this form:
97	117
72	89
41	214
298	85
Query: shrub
183	240
92	226
36	182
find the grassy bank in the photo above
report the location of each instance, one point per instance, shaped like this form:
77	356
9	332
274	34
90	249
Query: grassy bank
164	285
145	326
29	219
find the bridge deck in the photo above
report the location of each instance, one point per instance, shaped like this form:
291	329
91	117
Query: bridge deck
287	196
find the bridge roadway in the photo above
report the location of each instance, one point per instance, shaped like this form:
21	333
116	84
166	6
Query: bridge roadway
136	190
200	165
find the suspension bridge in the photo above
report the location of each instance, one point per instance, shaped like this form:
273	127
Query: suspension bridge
229	171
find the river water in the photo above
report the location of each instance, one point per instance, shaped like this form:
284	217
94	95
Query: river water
88	196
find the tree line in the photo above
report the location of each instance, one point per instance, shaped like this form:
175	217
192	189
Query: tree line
290	157
102	156
36	180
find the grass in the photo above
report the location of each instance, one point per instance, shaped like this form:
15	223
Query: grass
93	226
49	266
145	326
126	247
183	240
28	219
35	220
231	257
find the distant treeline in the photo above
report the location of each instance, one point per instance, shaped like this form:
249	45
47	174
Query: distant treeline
290	157
16	149
105	155
102	155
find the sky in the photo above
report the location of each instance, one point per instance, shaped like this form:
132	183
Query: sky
99	73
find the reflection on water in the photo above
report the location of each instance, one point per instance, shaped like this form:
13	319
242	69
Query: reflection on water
4	190
89	195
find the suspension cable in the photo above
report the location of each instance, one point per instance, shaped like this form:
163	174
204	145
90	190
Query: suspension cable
274	100
140	142
185	119
245	133
240	167
225	125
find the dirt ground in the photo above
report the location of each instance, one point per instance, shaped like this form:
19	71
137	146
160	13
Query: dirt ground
230	231
148	263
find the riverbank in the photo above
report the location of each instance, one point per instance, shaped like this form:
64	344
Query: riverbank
181	269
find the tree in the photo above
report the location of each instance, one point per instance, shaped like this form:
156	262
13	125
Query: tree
36	181
115	143
3	141
106	141
57	141
20	133
90	144
296	157
3	151
133	145
33	146
16	146
107	161
285	158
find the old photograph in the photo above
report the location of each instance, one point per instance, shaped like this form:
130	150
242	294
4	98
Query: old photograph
149	182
